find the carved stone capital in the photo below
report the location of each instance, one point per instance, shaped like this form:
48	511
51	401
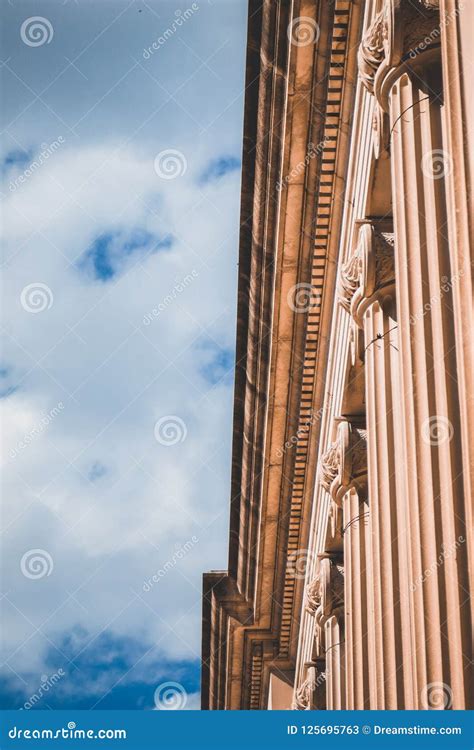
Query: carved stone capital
400	31
311	693
373	49
331	586
325	593
369	270
313	594
334	540
344	465
402	35
304	695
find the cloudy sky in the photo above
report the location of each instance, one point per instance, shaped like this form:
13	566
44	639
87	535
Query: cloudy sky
120	162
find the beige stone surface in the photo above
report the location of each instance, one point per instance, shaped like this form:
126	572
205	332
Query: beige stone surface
350	557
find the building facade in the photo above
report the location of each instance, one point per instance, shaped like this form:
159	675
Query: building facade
350	555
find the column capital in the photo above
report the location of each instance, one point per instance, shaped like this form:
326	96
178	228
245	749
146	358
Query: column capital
370	269
398	30
306	695
401	34
303	700
344	465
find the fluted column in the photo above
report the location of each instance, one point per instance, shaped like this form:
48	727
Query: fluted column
358	577
324	598
332	610
367	291
400	63
343	473
458	111
432	433
335	670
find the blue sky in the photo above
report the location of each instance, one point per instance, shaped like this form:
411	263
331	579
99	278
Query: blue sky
120	153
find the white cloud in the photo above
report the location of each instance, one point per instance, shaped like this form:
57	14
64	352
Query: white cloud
115	378
109	531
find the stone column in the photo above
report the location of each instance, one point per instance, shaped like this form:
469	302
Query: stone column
324	598
429	381
331	573
343	473
400	63
367	291
358	578
458	124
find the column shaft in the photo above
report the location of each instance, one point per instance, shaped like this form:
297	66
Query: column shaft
431	436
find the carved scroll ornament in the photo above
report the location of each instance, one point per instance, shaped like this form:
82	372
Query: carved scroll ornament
325	597
326	591
399	35
332	586
344	465
313	594
369	270
398	28
303	700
